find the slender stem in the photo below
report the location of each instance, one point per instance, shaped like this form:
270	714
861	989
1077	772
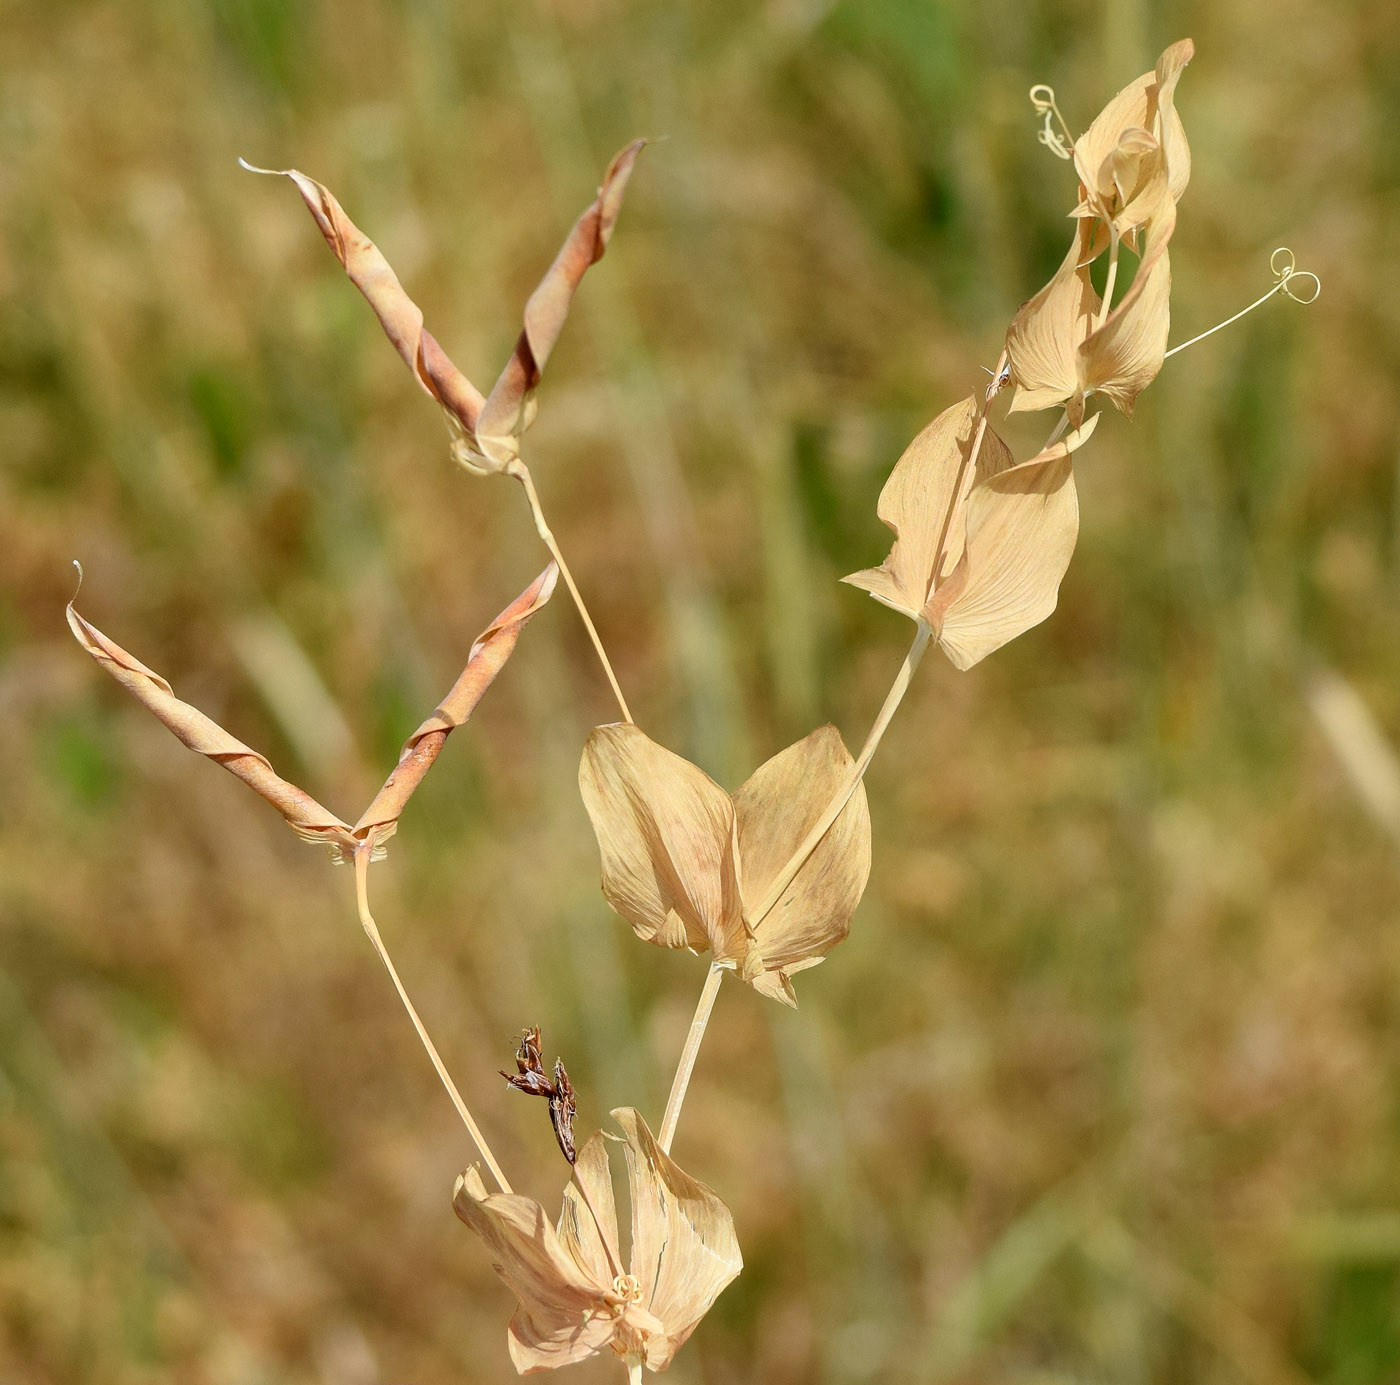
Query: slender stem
522	474
688	1055
967	473
1058	429
634	1370
1107	305
833	810
362	855
898	688
1263	299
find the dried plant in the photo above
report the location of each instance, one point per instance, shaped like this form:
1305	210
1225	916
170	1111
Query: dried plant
767	879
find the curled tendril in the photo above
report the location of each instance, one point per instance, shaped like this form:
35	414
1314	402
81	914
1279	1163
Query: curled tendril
1060	144
1286	273
1285	268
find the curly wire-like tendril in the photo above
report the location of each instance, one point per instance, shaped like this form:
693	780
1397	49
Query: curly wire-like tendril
1284	265
1060	144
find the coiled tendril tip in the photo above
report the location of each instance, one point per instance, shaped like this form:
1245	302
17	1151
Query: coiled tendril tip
1060	144
1284	265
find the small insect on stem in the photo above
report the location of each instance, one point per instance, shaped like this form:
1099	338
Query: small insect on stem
999	381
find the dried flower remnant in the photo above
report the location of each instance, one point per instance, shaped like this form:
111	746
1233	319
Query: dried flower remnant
1067	343
530	1077
687	865
575	1299
1134	158
981	543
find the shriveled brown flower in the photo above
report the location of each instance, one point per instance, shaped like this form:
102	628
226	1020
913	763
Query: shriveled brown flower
687	865
486	430
575	1299
979	552
307	818
530	1077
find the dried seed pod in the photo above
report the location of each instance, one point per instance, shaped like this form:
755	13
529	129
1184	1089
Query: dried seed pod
307	818
531	1078
486	430
563	1107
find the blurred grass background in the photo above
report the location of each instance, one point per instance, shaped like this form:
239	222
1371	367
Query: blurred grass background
1104	1086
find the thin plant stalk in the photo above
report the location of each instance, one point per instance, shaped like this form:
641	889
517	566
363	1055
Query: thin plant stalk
362	856
1106	306
521	472
834	809
968	469
1056	432
686	1066
893	698
634	1370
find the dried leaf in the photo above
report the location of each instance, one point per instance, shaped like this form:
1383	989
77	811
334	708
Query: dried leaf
922	502
588	1222
1122	357
307	818
1022	525
774	810
1042	343
666	833
683	1244
509	409
487	657
572	1301
566	1311
1171	133
676	851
